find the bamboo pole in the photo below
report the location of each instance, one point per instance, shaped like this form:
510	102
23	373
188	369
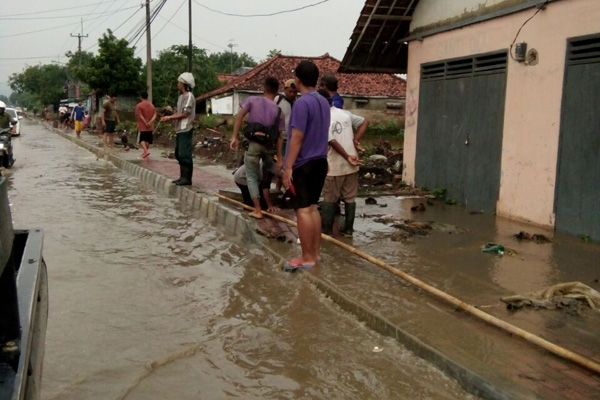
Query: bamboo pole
490	319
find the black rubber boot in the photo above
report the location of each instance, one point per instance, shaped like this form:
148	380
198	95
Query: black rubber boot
350	211
327	217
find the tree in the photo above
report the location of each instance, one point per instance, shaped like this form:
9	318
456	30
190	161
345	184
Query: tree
4	99
44	82
79	63
170	64
227	62
273	53
115	69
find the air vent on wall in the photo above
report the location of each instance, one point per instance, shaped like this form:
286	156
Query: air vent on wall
584	51
468	66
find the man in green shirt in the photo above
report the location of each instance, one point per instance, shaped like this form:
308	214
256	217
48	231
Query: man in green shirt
110	120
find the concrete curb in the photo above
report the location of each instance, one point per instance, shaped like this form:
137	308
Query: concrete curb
233	223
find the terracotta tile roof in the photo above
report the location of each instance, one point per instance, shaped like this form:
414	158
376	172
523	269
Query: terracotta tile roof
282	67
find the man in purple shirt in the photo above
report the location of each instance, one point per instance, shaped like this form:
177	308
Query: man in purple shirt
306	163
260	110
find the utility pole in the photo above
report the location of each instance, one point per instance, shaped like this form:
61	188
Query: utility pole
79	37
231	45
190	29
148	53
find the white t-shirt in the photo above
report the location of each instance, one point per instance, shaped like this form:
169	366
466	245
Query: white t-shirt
62	110
286	110
341	129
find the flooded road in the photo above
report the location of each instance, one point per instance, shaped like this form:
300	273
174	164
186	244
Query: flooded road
149	303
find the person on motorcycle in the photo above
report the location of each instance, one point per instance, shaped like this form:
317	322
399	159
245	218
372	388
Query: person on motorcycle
6	121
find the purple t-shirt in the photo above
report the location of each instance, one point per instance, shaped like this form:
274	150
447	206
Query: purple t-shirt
263	111
310	115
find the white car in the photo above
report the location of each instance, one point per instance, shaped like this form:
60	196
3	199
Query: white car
15	115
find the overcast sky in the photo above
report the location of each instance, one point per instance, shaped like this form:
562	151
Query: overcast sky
312	31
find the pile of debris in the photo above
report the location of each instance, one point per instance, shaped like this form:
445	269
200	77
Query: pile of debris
382	171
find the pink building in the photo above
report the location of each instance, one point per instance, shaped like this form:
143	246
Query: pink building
502	103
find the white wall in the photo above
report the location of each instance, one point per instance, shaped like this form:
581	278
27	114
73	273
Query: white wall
224	105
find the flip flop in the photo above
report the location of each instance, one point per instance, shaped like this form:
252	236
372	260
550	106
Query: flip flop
253	214
145	155
295	265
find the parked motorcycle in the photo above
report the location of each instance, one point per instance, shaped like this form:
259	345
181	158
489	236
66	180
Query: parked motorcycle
6	150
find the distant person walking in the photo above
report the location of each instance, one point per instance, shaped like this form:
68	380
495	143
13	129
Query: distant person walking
184	117
77	115
63	115
110	120
306	163
341	183
263	130
145	114
330	83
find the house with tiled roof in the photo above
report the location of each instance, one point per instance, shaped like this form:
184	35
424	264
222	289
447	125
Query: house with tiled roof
373	91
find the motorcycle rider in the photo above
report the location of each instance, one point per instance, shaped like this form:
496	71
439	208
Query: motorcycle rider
6	121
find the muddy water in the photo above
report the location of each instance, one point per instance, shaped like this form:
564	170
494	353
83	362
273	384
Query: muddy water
450	258
147	302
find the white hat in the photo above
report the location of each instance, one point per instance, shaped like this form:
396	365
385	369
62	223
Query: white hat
2	105
187	78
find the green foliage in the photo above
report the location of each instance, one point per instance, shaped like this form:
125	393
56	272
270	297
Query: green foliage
170	64
4	99
439	193
585	238
44	82
79	65
227	62
273	53
210	121
387	128
115	69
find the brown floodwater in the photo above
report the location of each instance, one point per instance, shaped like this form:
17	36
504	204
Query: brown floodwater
149	302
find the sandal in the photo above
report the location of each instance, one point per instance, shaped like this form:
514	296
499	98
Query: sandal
255	215
296	264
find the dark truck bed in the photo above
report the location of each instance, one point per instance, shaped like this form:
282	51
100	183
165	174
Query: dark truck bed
23	307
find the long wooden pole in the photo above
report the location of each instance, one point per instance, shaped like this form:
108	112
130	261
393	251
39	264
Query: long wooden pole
490	319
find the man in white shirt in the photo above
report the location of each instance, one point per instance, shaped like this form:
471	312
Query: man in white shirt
285	102
341	183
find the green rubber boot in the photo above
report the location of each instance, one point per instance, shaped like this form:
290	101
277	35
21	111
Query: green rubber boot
327	217
350	211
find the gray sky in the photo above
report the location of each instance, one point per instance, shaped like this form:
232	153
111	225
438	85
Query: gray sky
312	31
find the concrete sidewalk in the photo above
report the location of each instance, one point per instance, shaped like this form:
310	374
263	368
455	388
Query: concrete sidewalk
485	360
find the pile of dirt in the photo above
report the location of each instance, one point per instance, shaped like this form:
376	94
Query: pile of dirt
381	169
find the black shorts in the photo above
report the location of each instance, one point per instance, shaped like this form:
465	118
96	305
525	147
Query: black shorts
146	136
110	127
308	180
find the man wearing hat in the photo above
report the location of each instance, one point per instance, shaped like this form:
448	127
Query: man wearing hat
330	83
285	101
184	119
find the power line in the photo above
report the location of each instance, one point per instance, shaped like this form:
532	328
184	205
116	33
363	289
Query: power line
139	32
156	34
57	27
196	36
261	15
57	9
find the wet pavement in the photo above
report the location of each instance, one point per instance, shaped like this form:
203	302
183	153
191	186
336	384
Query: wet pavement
147	302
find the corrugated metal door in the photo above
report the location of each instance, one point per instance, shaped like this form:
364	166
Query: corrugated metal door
577	203
459	138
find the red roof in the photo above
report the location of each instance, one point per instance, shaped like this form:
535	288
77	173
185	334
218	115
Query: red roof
282	67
